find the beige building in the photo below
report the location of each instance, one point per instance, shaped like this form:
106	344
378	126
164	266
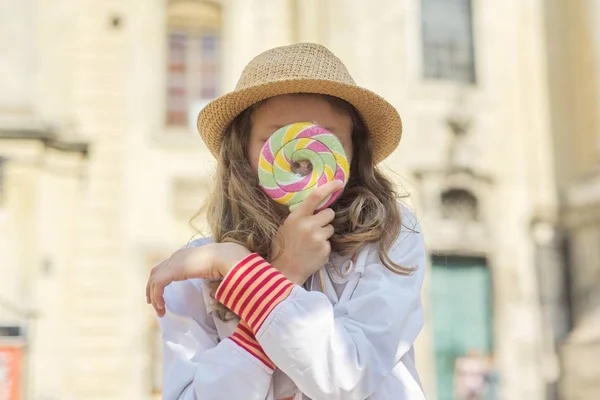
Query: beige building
574	77
101	170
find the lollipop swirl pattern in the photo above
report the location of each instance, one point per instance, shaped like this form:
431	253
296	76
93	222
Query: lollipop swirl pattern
295	144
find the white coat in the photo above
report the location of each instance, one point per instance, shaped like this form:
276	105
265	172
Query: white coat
355	341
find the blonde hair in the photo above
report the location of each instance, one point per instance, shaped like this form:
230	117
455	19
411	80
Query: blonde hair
239	211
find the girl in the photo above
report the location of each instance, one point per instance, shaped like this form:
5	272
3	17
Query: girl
249	313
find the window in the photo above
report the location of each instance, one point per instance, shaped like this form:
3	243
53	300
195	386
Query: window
460	205
193	59
448	40
12	331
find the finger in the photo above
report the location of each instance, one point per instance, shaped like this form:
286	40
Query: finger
157	298
151	286
148	294
326	232
326	248
312	202
153	272
158	291
324	217
160	281
148	291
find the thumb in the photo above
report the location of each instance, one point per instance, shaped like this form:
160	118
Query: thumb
320	194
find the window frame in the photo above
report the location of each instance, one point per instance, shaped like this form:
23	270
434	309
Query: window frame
452	77
187	18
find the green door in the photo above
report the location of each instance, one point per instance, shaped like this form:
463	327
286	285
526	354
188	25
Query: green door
462	314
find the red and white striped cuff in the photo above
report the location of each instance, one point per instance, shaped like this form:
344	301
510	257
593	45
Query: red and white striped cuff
252	289
244	338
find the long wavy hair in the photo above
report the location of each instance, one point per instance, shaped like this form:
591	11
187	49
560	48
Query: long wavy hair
239	211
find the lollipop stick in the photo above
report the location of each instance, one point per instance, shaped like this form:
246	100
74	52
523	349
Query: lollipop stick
322	280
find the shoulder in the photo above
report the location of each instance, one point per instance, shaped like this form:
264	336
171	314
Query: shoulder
408	258
410	234
409	249
197	242
409	220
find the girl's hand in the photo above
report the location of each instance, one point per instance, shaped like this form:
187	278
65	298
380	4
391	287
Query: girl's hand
305	237
211	261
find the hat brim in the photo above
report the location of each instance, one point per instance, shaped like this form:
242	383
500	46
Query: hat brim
381	119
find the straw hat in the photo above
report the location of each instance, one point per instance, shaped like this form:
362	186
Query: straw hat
301	68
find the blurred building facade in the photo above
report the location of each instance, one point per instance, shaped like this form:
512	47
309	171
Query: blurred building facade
574	100
101	170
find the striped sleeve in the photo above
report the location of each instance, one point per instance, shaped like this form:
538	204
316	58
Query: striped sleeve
252	289
244	338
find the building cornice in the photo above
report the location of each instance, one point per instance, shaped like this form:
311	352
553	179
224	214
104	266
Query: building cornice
48	138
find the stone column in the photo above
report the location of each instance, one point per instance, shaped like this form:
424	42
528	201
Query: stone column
593	13
552	281
580	369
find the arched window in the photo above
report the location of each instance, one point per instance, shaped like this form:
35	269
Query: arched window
193	58
460	204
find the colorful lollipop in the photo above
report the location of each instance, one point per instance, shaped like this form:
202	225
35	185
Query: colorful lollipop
299	158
